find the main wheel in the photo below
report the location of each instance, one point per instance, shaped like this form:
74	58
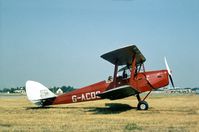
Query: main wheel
142	105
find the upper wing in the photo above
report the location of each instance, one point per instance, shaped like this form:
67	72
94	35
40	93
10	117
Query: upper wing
118	93
123	56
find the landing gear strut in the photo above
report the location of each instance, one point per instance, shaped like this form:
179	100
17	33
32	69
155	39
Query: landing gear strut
142	104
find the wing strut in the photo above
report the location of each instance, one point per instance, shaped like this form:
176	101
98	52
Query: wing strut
133	72
133	83
143	67
115	74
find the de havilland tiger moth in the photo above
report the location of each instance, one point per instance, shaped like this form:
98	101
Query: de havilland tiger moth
133	81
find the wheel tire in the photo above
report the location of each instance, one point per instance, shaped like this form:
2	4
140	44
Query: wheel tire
142	105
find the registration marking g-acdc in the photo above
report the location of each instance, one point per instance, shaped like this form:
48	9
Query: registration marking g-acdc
85	96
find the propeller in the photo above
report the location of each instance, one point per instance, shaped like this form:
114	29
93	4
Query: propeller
169	71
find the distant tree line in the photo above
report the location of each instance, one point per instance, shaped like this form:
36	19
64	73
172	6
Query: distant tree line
11	90
54	89
65	89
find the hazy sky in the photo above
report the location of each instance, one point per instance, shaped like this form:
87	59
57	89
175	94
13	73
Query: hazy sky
59	42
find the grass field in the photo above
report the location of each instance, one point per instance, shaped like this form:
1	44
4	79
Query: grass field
166	113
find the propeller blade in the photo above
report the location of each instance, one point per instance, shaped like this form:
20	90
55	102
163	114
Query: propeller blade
169	71
167	66
171	81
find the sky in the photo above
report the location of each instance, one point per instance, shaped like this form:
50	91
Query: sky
59	42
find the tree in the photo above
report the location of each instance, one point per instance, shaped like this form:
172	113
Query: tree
6	90
12	90
67	89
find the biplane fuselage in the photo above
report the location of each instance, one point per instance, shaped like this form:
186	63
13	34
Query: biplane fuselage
145	81
119	86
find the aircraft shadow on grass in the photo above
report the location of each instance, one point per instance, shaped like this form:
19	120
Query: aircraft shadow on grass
50	107
110	108
39	108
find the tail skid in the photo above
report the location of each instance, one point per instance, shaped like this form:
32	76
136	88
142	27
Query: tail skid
39	94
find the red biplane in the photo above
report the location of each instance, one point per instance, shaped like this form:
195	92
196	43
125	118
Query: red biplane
133	80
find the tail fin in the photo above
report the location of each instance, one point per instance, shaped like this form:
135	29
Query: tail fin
39	94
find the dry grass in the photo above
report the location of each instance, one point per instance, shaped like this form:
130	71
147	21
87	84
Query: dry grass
166	113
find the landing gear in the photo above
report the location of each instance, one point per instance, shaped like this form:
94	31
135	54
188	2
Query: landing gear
142	104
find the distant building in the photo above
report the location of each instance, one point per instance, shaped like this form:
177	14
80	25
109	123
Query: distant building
197	91
21	91
180	90
59	91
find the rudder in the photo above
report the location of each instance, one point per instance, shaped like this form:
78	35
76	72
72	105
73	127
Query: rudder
39	94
